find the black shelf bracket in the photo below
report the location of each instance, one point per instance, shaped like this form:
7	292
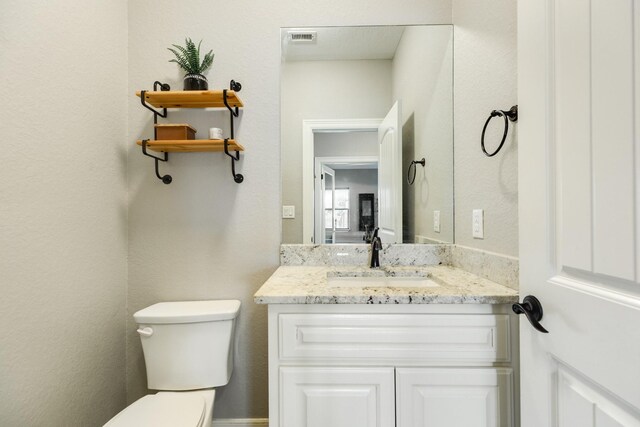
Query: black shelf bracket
237	177
164	178
156	85
163	87
234	86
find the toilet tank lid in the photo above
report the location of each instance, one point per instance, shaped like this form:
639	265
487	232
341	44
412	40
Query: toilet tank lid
188	312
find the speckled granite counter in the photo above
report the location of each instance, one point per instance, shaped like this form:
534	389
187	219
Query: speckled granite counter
309	285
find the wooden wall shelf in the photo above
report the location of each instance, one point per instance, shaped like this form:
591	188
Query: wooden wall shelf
163	99
190	145
191	99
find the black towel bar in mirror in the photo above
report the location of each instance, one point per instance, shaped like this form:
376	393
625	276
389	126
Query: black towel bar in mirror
412	177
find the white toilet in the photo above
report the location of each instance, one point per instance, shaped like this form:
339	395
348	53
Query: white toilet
188	350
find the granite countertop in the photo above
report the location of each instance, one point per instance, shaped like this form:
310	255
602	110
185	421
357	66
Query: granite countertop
309	285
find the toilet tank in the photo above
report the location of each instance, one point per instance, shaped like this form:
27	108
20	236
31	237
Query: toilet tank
188	345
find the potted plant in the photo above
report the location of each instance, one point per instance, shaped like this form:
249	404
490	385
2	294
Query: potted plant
188	58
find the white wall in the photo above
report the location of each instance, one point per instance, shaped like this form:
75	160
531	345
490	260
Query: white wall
204	236
340	90
63	228
485	79
423	80
331	144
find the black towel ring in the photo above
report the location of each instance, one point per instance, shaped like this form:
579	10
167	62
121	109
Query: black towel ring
413	164
512	115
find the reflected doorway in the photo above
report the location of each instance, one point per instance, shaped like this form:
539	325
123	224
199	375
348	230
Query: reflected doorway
346	198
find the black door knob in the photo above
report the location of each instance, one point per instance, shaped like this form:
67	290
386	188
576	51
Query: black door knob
531	308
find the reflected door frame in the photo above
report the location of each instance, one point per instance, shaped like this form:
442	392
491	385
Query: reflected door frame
309	128
319	165
321	226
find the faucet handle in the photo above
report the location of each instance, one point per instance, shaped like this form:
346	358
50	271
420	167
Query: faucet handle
375	233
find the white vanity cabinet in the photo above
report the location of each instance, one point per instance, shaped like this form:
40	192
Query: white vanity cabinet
413	365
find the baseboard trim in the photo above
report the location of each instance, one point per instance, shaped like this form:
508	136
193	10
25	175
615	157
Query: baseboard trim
241	422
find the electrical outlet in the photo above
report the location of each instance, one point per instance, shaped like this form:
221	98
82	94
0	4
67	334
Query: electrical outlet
288	212
436	221
477	226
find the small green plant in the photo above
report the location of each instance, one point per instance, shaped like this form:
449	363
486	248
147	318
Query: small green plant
188	57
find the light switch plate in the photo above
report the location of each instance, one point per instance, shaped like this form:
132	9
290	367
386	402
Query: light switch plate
288	212
477	224
436	221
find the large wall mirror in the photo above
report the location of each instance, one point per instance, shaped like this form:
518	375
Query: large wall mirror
361	107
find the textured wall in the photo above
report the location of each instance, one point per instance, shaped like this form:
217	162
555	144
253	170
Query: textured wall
63	212
423	80
485	79
204	236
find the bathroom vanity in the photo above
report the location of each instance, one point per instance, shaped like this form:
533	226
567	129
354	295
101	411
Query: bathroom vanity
429	339
402	346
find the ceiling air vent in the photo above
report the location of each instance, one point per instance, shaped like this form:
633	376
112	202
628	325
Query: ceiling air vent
302	36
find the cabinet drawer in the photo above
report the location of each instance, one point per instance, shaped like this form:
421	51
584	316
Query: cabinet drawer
396	337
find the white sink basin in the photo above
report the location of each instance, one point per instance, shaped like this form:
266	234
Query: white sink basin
381	282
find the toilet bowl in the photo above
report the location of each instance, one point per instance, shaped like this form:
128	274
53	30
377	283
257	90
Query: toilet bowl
168	409
188	350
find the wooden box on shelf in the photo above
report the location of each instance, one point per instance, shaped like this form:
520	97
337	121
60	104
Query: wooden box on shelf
177	131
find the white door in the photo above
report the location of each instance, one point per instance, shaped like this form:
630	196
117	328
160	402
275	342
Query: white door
325	230
579	197
390	176
329	208
337	397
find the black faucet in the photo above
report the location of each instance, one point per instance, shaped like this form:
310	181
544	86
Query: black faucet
376	245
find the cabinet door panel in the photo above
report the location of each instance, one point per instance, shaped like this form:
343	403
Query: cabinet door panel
336	397
454	397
